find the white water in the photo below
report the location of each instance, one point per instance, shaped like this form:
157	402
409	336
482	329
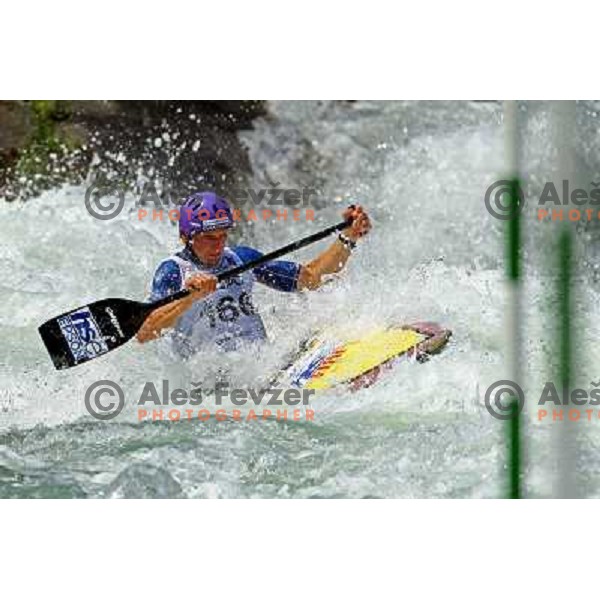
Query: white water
421	169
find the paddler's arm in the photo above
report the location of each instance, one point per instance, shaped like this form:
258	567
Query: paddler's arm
201	284
335	257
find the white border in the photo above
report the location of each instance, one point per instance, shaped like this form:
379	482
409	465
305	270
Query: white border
296	549
307	50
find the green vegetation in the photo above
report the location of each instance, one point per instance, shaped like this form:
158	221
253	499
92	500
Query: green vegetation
47	141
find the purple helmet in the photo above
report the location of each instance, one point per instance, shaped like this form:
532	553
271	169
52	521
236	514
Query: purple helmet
204	211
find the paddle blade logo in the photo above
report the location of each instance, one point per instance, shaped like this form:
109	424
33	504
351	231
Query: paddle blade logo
82	334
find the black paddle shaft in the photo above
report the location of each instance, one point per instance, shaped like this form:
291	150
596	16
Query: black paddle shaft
315	237
89	331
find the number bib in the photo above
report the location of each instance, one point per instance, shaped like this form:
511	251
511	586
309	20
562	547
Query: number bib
224	318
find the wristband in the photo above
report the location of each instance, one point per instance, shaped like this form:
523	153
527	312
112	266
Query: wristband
347	242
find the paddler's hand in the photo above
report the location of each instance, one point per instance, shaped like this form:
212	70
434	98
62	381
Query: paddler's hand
361	225
201	285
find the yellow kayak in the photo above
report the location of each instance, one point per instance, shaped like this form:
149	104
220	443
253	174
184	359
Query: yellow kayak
327	363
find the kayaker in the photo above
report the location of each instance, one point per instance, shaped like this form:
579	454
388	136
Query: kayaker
224	314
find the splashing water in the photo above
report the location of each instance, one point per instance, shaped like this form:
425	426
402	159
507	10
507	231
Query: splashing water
421	169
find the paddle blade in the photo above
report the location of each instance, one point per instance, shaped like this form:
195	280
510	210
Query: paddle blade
92	330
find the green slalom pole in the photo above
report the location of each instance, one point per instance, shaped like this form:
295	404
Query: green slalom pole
513	309
513	274
564	306
565	486
565	431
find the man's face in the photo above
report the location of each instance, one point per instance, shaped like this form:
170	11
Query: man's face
209	246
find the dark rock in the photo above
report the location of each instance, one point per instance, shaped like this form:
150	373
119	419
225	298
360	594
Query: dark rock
185	145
